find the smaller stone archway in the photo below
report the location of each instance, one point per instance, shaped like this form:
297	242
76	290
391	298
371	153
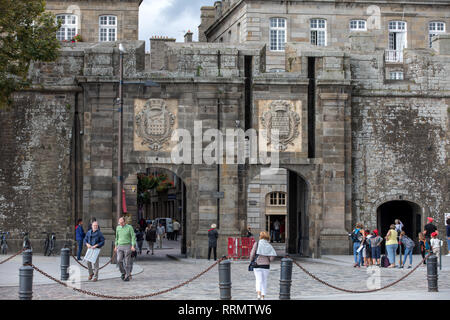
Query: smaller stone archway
408	212
171	204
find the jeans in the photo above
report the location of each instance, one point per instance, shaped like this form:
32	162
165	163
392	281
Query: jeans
391	249
376	252
408	252
357	255
261	276
80	248
448	244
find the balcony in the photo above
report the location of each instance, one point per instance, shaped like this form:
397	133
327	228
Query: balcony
394	56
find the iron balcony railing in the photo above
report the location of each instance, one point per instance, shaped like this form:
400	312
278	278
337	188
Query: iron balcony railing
394	56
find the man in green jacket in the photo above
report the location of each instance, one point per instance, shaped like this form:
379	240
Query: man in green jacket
125	243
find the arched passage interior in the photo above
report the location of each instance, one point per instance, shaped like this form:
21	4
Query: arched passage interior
409	213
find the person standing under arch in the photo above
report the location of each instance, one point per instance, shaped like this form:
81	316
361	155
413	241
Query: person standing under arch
429	229
391	245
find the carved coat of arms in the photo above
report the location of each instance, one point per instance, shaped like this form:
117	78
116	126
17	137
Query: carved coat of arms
281	117
154	124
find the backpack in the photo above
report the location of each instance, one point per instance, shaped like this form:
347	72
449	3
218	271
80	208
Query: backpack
384	261
356	237
408	243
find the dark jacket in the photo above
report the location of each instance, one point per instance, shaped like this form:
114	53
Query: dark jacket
150	235
212	237
94	238
79	233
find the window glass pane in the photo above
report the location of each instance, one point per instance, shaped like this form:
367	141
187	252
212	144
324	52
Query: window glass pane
103	20
314	23
112	20
314	37
362	24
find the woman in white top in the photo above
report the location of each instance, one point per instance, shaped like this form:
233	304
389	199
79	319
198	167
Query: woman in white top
265	254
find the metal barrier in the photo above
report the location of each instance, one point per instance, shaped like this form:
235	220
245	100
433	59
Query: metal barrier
240	247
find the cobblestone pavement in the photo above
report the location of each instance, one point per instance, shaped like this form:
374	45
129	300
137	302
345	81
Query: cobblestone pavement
161	272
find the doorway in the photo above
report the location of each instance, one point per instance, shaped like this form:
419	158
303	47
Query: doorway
409	213
298	220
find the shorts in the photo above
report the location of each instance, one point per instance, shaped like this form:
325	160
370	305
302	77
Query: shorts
376	252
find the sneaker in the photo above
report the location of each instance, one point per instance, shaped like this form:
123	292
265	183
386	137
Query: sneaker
409	267
126	279
90	277
94	280
123	276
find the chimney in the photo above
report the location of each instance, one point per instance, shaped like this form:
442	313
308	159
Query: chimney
158	52
207	18
218	6
188	36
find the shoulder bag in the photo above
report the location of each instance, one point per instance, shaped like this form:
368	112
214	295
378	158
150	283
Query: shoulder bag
253	263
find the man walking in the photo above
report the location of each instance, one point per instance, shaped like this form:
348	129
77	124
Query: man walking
79	237
160	232
176	229
212	241
125	244
94	239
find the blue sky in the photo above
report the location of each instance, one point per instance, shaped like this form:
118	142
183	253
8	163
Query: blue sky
172	18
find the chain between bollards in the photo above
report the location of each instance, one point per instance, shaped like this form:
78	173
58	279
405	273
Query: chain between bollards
225	279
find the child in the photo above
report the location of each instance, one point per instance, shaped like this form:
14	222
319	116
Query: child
422	245
409	246
375	242
436	245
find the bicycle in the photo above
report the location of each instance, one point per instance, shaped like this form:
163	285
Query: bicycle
26	241
4	242
49	244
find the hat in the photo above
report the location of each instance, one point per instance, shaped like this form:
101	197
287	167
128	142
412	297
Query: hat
375	231
434	234
430	219
213	226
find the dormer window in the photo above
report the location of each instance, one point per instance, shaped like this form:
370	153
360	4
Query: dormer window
68	29
108	28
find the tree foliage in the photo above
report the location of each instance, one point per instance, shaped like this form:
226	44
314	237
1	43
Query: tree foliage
27	33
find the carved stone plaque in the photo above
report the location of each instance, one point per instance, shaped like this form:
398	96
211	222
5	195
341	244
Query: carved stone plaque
155	121
284	116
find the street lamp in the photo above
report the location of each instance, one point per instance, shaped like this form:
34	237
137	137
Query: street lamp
120	135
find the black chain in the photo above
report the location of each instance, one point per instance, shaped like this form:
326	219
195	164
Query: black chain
129	297
98	268
356	291
14	255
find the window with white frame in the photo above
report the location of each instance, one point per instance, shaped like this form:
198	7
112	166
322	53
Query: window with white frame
434	28
397	35
108	28
68	28
396	75
277	199
358	25
318	29
277	34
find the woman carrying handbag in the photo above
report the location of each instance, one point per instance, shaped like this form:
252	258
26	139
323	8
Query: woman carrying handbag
263	254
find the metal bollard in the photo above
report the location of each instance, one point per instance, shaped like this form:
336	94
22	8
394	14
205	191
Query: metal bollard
285	279
65	263
25	283
27	257
225	280
432	274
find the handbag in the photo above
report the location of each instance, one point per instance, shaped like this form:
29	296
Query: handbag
253	263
